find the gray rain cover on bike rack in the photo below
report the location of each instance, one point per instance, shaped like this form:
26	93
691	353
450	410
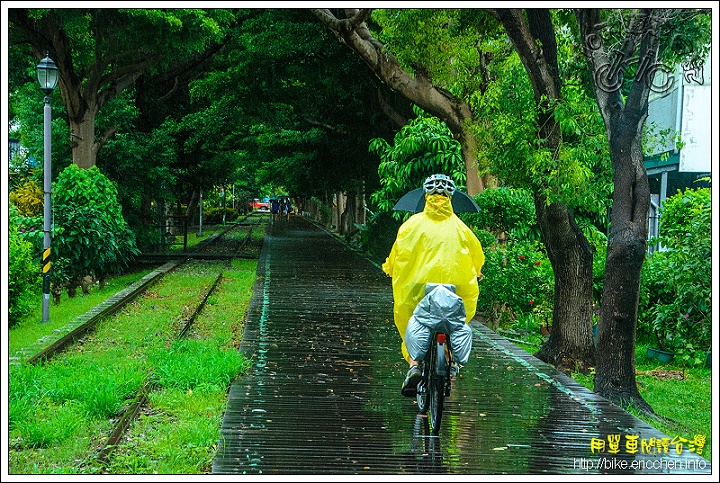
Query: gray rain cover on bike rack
441	310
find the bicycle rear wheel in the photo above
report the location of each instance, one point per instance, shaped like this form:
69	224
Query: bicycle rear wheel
423	389
436	396
431	390
428	366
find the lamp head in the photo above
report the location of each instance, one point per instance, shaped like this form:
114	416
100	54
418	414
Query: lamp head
47	73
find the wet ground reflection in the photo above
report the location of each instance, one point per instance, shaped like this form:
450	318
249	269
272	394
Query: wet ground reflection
426	451
324	394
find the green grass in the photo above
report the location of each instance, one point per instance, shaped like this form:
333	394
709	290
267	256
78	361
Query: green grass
32	328
176	435
58	458
61	412
179	432
190	363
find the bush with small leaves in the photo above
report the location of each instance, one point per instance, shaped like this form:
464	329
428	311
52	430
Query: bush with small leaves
24	274
675	300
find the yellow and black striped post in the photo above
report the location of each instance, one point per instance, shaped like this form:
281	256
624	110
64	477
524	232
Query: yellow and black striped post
46	284
46	261
46	270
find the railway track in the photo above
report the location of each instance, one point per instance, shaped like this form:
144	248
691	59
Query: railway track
224	245
233	242
141	397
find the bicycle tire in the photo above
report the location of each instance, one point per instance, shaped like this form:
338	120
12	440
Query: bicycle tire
423	390
432	388
431	400
435	404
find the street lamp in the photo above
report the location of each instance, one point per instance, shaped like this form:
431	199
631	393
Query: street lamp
47	73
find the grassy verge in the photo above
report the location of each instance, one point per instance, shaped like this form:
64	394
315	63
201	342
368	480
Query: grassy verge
61	412
679	393
31	328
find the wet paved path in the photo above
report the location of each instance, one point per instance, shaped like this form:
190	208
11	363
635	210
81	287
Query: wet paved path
323	396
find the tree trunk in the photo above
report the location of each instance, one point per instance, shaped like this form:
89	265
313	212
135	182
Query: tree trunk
570	346
627	246
455	112
475	183
82	133
624	114
350	211
192	205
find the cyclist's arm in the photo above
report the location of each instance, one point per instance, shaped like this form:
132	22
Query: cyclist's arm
389	264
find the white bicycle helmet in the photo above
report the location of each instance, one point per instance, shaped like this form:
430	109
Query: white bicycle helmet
439	183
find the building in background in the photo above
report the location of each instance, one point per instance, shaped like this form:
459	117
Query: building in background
683	112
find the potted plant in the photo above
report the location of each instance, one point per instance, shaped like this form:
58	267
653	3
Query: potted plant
659	354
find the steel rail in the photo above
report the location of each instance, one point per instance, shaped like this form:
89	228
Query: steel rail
143	393
115	303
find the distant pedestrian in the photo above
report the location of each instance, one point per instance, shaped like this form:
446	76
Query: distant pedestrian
275	208
281	214
286	208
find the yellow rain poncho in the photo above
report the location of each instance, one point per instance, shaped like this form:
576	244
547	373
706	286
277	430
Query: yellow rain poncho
433	246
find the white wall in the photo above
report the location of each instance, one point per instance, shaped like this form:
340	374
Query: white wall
687	108
695	154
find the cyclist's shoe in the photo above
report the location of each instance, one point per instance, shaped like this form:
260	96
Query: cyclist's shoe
412	379
454	369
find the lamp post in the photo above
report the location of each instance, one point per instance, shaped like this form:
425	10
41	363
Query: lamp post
47	73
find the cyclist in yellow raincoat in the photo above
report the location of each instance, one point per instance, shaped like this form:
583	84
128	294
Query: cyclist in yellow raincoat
433	245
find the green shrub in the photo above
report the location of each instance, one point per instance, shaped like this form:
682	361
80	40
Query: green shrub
505	210
379	234
422	147
28	198
518	279
487	239
148	237
675	301
30	229
324	212
213	215
90	232
24	275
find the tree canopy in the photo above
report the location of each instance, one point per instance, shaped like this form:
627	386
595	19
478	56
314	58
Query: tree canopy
265	98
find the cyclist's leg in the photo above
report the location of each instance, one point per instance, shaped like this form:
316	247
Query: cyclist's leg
412	379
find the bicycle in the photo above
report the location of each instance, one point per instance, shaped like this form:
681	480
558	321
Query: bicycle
434	385
445	313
